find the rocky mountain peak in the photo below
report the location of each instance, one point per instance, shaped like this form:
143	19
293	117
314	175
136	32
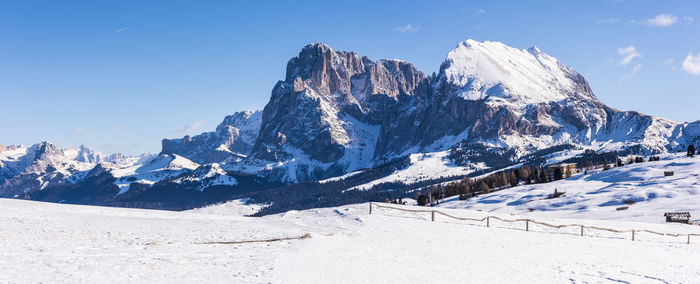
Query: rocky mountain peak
535	50
45	148
499	73
325	95
325	70
247	120
87	155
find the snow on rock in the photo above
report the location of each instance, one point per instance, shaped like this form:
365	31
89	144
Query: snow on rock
45	242
424	166
599	194
233	139
152	170
209	175
495	70
350	174
25	170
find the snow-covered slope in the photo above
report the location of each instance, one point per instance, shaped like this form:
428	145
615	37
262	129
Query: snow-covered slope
494	70
207	176
44	242
425	166
599	194
152	170
239	207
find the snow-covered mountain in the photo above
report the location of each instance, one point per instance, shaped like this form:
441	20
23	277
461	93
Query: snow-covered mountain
490	106
337	112
26	169
232	140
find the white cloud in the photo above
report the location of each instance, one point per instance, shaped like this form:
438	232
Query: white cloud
408	29
662	20
121	29
669	62
79	131
631	74
191	127
628	54
688	20
479	12
691	64
608	21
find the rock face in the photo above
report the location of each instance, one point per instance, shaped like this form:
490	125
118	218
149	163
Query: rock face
336	111
328	109
233	139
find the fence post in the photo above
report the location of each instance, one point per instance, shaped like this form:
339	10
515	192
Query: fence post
487	221
370	208
527	225
633	235
688	238
582	231
432	215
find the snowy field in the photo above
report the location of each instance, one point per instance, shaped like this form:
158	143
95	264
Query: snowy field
598	195
58	243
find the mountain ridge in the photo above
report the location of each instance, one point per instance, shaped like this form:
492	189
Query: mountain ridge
337	112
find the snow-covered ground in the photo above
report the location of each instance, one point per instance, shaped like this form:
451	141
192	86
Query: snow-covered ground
47	242
238	207
599	194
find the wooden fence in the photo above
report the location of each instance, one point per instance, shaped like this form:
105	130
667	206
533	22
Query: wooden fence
527	222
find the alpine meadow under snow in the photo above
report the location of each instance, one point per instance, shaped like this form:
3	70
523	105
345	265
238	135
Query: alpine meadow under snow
44	242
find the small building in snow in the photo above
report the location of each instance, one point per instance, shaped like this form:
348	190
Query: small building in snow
566	170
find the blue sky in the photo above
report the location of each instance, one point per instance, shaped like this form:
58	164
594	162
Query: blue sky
119	76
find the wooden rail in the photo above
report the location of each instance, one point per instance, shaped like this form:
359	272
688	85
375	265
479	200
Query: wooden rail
433	212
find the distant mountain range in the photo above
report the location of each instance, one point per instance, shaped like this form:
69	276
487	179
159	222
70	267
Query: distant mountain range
339	114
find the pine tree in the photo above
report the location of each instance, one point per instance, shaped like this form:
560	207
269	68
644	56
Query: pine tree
524	174
513	179
422	200
691	151
543	177
483	187
502	179
558	174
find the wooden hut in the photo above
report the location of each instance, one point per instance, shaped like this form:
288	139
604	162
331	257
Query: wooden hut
677	217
